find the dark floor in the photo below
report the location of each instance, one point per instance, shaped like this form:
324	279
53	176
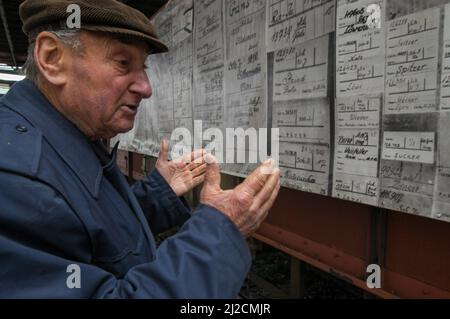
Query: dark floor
274	266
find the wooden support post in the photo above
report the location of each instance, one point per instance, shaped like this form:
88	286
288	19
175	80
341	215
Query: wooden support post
298	273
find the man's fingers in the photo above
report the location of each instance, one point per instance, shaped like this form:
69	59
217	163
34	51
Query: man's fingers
264	210
262	218
164	151
193	165
267	205
200	170
198	156
198	180
256	180
264	195
195	157
212	175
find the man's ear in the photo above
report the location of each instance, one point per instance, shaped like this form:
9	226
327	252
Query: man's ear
51	57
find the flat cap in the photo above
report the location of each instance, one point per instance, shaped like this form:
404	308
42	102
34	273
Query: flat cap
109	16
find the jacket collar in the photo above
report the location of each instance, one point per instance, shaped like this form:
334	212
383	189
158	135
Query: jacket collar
66	139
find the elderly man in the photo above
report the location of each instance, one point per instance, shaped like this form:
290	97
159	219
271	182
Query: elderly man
70	226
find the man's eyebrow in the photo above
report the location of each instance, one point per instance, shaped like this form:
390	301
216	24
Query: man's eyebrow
113	49
117	51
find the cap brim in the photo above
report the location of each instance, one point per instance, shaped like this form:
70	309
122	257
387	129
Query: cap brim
155	45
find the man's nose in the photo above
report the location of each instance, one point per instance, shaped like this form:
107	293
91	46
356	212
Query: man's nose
142	85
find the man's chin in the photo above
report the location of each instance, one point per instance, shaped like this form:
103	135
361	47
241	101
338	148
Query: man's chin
122	129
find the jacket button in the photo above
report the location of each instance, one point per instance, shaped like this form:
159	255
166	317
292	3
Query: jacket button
21	129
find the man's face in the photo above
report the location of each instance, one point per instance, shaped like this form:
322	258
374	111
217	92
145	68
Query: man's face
106	83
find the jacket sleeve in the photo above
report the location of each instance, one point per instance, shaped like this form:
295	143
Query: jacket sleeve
162	207
41	238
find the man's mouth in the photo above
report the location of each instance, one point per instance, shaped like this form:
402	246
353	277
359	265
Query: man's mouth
132	107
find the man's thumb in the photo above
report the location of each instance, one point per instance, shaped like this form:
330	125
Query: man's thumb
212	175
164	151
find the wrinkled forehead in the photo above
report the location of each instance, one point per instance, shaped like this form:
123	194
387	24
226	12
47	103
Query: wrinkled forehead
109	44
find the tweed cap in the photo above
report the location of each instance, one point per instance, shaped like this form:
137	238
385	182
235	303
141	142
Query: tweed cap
109	16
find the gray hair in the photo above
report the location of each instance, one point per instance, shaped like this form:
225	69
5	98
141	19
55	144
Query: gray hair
70	38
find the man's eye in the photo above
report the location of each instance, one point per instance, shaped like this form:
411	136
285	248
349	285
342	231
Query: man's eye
124	62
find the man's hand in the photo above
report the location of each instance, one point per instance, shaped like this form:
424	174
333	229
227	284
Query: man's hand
184	174
248	204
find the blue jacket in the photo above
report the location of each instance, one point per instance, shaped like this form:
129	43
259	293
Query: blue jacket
58	209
